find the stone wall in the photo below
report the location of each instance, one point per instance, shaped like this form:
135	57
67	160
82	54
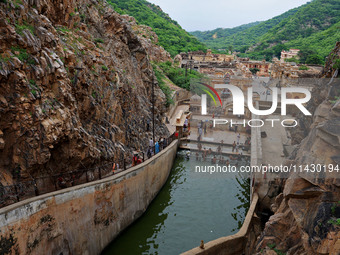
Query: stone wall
256	145
86	218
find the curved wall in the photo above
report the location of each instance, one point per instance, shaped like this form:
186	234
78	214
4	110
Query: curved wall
84	219
234	244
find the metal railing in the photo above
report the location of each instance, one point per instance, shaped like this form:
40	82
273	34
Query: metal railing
45	184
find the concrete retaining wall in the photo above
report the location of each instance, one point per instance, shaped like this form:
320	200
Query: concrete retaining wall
182	95
256	152
230	245
256	144
86	218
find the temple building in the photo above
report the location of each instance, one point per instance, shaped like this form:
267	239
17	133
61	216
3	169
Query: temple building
292	53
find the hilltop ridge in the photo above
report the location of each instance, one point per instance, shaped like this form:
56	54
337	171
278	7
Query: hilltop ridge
312	27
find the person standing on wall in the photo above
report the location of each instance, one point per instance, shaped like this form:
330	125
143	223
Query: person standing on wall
151	142
114	168
156	147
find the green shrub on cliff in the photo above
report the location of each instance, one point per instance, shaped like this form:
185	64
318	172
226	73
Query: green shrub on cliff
25	26
180	76
22	55
162	85
337	64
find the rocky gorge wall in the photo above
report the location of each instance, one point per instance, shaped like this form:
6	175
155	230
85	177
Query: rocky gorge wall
86	218
75	87
307	212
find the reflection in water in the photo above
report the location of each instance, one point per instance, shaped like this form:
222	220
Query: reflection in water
191	207
244	197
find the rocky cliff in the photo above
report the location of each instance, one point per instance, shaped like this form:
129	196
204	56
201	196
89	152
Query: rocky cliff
75	87
149	41
332	64
307	212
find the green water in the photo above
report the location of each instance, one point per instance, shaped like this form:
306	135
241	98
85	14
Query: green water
191	207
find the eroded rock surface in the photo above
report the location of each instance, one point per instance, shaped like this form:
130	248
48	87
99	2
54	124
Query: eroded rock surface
75	87
306	212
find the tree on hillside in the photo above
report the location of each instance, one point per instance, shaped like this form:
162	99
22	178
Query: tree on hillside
243	49
230	48
314	60
277	49
304	53
310	56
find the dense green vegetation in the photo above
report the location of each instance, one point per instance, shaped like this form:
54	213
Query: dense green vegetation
163	86
170	34
321	43
223	38
241	37
314	28
179	76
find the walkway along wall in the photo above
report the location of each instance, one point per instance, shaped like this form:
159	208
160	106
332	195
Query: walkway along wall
86	218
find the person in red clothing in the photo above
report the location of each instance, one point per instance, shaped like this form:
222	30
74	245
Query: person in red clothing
139	160
62	183
134	160
113	168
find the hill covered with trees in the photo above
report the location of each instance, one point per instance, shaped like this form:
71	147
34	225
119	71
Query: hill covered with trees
171	35
314	28
242	37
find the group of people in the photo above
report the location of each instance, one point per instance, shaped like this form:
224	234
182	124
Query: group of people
205	152
153	149
156	147
220	160
237	144
202	127
62	182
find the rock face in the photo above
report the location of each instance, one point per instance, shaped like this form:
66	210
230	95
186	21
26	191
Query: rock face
75	87
149	41
306	212
332	62
322	91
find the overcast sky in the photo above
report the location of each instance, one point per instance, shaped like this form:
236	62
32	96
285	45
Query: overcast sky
210	14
